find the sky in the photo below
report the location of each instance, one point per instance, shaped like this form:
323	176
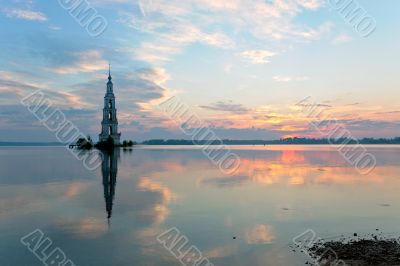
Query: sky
242	66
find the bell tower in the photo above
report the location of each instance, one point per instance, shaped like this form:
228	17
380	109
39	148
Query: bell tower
109	125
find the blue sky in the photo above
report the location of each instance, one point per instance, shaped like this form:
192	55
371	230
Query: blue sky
240	65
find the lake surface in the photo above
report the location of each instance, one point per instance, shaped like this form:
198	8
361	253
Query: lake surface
113	215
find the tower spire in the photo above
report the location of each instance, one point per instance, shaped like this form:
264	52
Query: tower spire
109	125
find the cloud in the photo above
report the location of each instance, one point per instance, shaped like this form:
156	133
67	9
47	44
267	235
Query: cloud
159	211
232	5
222	251
17	118
25	14
226	107
171	26
86	228
157	75
137	93
228	68
154	52
258	56
282	78
174	37
311	4
388	112
12	90
260	234
55	28
313	105
87	61
343	38
225	182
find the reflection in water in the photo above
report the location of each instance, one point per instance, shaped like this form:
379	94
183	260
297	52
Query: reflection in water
109	170
245	219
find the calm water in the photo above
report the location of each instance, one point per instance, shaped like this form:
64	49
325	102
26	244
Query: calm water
278	193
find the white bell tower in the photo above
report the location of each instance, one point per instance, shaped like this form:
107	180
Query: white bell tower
109	125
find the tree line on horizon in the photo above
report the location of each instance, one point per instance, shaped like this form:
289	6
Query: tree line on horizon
292	141
283	141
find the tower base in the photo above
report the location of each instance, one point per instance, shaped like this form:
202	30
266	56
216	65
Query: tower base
115	137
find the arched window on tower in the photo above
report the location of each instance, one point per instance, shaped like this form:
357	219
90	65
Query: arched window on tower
110	104
109	116
111	130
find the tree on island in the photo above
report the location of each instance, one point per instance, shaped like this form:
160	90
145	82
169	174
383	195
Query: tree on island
129	143
85	143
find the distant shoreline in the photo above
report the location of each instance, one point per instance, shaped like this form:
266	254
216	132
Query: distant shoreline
287	141
32	144
174	142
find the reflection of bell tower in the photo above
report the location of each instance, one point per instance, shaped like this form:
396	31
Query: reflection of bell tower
109	170
109	125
